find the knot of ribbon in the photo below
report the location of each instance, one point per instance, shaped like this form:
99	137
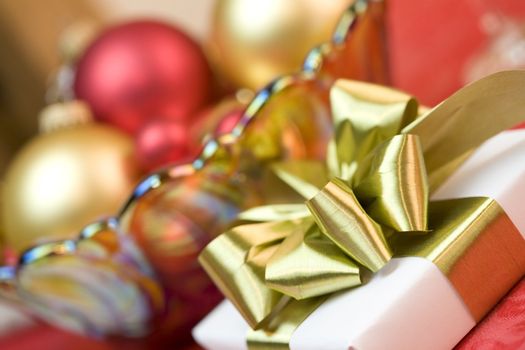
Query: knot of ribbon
373	184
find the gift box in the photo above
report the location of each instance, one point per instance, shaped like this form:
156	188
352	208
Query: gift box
437	286
409	304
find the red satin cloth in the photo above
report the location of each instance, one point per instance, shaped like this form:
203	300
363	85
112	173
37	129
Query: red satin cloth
44	337
503	328
431	41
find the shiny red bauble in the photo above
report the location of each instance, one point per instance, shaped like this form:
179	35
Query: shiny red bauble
162	142
217	120
228	122
143	70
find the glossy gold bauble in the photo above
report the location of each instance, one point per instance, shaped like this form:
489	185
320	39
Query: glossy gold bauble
254	41
64	179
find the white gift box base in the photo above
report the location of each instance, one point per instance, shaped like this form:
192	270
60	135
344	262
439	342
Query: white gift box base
409	304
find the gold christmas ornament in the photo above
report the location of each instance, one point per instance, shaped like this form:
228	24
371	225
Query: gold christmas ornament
254	41
65	179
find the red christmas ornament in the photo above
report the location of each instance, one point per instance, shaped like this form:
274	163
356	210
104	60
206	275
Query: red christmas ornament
143	70
161	142
216	120
228	122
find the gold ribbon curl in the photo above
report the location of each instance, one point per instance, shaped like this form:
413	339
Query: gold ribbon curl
369	202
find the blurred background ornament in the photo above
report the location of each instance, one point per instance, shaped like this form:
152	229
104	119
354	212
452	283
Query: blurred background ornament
139	71
253	42
161	142
505	48
64	114
171	224
220	118
71	45
64	179
97	283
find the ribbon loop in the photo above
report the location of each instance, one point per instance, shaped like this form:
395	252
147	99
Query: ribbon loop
305	177
304	262
341	218
365	115
466	119
275	212
392	185
238	258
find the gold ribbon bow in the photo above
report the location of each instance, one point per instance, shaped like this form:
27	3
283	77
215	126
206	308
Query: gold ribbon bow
368	203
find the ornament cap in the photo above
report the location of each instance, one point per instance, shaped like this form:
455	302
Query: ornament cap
63	115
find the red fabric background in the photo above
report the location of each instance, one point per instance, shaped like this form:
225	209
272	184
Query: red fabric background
430	42
503	328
